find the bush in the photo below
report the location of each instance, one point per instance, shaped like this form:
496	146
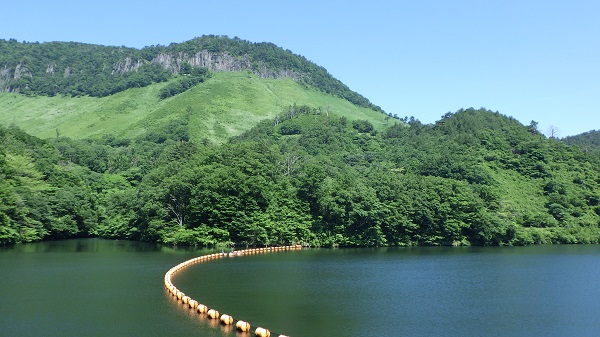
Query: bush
363	126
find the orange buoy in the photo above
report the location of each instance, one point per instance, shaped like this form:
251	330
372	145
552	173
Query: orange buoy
212	313
262	332
201	308
226	319
242	326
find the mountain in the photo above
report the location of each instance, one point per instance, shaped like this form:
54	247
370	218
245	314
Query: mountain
87	91
70	68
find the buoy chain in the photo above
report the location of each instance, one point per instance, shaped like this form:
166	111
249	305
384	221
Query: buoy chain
213	313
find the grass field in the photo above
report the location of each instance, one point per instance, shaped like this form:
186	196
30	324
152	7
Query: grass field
224	106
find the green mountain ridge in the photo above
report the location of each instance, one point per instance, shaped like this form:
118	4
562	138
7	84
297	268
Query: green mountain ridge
76	69
89	91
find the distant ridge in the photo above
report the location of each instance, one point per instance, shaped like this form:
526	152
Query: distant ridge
588	141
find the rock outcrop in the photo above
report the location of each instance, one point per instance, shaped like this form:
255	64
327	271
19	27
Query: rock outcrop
9	75
126	66
212	61
219	62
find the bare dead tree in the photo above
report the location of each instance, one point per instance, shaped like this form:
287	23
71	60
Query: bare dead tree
177	206
288	166
552	132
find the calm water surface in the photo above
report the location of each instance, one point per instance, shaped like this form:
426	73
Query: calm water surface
114	288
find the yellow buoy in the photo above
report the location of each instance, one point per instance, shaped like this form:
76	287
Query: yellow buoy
212	313
242	326
185	299
201	308
226	319
262	332
193	304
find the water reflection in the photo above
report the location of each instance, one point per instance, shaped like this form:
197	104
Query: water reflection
203	318
85	246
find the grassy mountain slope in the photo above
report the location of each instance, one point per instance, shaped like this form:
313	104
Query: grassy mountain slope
224	106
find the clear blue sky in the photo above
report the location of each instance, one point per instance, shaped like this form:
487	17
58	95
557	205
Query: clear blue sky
533	60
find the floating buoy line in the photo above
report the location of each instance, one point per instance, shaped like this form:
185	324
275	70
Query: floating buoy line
212	313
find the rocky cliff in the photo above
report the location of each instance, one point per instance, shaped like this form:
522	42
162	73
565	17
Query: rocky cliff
9	75
219	62
214	61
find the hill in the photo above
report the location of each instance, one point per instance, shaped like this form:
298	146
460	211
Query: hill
214	87
475	177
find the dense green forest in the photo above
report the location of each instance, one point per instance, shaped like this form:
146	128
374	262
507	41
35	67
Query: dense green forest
307	176
77	69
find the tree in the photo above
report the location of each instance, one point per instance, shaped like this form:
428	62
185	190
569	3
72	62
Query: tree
553	132
533	127
363	126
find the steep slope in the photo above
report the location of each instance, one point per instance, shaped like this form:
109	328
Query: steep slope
225	105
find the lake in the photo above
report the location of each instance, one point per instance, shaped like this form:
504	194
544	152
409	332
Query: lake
94	287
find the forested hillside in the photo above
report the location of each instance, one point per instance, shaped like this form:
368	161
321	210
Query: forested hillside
307	176
77	69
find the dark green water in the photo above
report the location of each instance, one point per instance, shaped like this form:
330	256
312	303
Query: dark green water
114	288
